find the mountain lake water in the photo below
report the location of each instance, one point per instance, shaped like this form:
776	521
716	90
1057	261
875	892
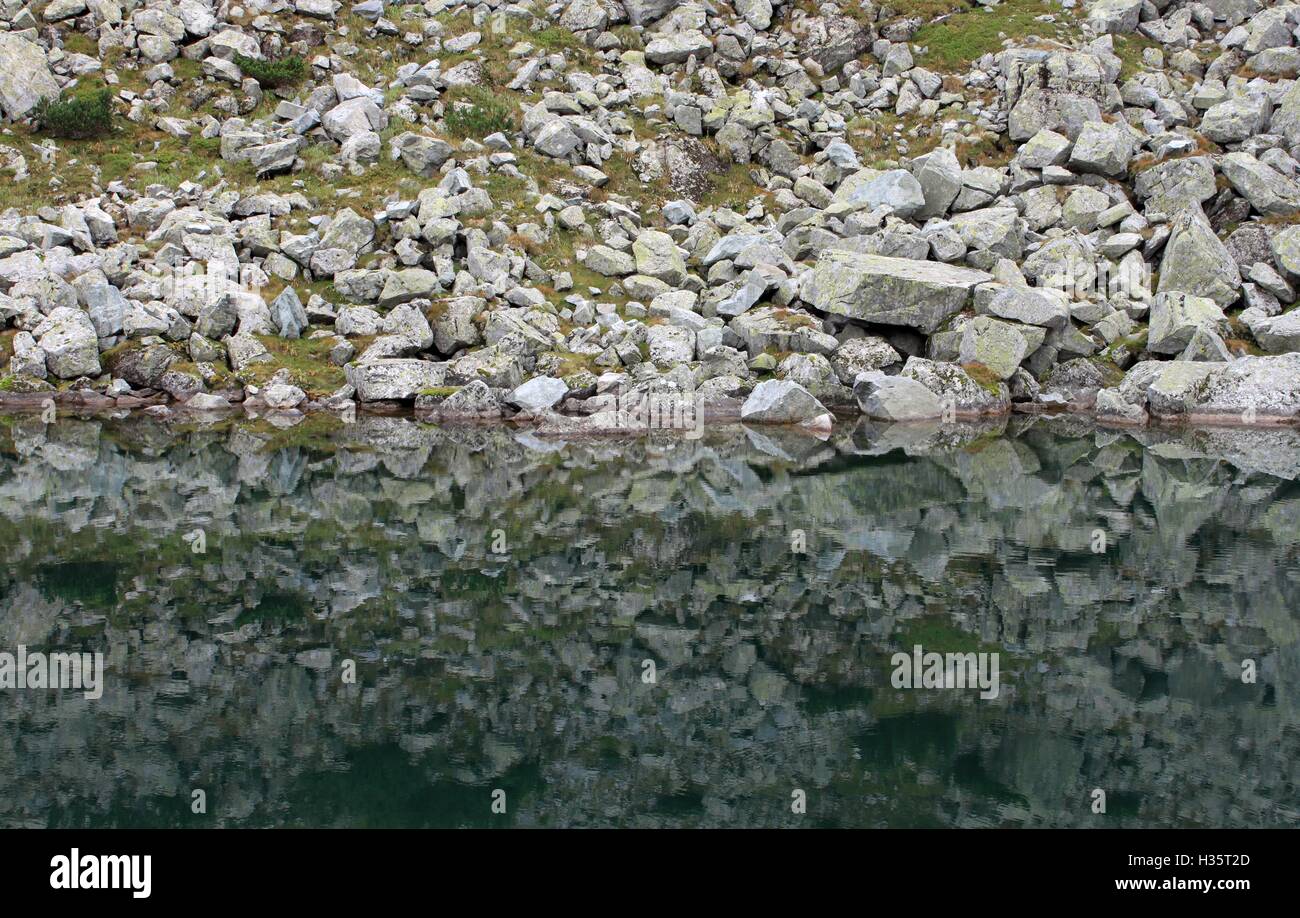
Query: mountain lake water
388	623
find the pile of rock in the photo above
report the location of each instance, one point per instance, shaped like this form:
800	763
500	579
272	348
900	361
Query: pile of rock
1125	244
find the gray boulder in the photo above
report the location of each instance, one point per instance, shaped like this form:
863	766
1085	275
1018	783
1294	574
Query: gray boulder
71	346
1175	317
1117	17
939	175
896	398
958	388
1236	119
782	401
288	314
1276	334
1248	388
25	77
1286	253
1267	190
1022	304
538	394
896	189
1103	148
1196	262
394	379
642	12
999	346
890	291
860	355
677	47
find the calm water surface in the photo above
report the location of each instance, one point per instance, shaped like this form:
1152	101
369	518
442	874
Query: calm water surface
525	669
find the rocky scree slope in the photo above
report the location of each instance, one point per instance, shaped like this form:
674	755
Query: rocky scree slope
550	212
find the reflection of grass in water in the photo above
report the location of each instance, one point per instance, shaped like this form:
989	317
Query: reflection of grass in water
928	737
937	633
381	787
275	608
687	802
471	583
970	774
92	583
824	699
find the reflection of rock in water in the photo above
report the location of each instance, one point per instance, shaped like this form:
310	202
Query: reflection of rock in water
524	671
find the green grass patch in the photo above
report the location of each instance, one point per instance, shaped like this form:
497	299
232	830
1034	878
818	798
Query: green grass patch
733	189
306	360
967	35
927	10
478	113
1129	48
554	38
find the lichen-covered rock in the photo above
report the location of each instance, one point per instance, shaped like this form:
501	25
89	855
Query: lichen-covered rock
781	401
896	189
538	394
1267	190
1103	148
999	346
1026	305
890	291
1246	390
859	355
773	328
896	398
1175	317
657	256
67	336
1196	262
394	379
957	388
25	77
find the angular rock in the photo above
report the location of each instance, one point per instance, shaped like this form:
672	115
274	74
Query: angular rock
957	388
890	291
997	345
71	346
781	401
1196	262
394	379
896	189
538	394
25	77
896	398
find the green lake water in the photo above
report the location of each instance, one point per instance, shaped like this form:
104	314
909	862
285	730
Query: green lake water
503	599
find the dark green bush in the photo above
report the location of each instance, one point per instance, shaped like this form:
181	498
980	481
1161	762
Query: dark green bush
484	115
284	71
81	117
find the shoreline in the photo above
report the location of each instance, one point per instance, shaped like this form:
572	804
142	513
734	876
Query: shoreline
557	424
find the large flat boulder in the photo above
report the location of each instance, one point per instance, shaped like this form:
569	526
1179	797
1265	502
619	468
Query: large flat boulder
890	291
1246	390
